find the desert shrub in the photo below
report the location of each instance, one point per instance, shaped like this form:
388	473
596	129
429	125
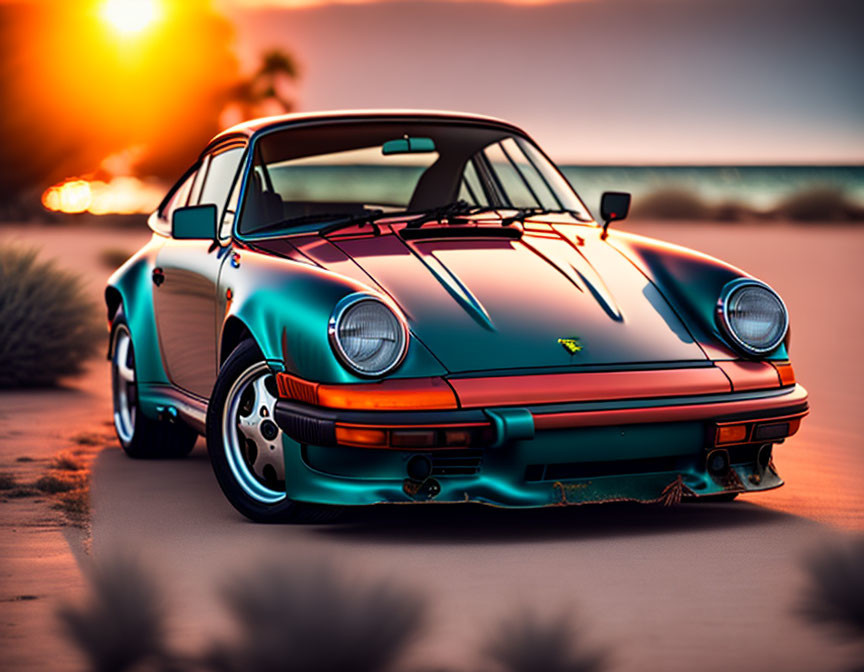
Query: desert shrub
48	328
122	625
670	203
317	619
820	204
835	591
526	642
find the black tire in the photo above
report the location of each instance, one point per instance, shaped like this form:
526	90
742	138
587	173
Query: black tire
247	357
139	436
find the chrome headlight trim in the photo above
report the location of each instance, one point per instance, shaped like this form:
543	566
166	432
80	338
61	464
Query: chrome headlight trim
342	306
726	294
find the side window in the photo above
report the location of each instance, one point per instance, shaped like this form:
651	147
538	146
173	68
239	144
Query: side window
511	180
230	211
220	178
178	200
471	188
195	193
533	179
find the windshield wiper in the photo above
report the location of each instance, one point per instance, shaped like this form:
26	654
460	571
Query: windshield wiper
336	220
455	210
523	213
461	210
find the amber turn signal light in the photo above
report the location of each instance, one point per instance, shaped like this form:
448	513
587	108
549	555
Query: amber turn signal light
355	436
731	434
787	375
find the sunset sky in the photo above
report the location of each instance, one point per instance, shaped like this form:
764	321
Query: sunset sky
610	81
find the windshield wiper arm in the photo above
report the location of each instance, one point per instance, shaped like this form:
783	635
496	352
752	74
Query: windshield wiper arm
457	209
523	213
350	220
336	220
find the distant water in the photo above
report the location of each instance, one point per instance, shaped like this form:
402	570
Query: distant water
759	187
754	187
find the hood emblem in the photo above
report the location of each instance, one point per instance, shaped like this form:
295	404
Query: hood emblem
571	345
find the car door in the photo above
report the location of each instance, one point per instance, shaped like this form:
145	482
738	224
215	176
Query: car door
186	278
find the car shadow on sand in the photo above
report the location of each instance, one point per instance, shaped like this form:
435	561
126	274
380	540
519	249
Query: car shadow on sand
474	523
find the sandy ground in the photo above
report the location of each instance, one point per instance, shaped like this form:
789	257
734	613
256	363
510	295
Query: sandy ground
712	586
40	552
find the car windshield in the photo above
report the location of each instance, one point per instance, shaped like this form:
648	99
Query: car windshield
319	174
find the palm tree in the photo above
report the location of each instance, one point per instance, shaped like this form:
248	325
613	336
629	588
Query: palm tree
277	67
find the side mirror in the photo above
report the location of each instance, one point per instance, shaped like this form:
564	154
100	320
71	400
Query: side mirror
614	206
197	222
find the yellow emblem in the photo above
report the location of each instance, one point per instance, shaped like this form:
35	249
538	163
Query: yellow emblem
571	345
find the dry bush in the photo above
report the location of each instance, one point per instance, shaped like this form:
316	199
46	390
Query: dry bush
48	328
314	619
835	593
527	642
820	204
122	624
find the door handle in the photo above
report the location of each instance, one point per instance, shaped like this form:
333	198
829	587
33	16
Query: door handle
158	276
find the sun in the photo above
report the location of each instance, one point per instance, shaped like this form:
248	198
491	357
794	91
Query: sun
128	17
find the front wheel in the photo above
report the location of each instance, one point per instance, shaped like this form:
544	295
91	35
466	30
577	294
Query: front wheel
245	444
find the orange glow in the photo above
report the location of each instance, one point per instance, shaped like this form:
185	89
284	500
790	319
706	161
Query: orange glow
128	17
71	196
121	195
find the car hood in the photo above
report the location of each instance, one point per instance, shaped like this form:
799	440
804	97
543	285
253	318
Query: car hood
558	297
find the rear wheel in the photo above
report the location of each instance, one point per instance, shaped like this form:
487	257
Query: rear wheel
140	436
245	444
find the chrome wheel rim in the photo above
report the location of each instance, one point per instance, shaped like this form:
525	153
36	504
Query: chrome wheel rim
123	386
251	439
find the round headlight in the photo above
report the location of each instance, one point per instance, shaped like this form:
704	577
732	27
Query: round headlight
753	316
367	335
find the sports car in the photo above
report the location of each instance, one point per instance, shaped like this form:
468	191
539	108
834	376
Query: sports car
389	307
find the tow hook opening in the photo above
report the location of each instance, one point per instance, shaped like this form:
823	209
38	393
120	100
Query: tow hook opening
421	490
718	463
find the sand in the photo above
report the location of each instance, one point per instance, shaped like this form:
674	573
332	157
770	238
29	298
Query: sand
712	586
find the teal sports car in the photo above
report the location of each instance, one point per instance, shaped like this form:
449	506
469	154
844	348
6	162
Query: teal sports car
365	307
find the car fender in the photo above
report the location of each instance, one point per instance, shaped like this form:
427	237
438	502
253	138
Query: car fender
286	305
132	283
691	282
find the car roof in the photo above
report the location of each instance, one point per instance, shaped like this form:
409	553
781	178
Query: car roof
250	128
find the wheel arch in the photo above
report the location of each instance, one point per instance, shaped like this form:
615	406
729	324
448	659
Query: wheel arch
234	332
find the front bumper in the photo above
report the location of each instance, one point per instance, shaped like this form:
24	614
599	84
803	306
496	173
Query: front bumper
653	449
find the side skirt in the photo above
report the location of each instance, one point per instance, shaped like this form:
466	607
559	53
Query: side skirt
169	403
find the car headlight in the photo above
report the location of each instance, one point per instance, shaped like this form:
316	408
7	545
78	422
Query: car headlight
753	316
367	335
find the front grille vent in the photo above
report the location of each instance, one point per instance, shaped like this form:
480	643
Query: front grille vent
456	462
